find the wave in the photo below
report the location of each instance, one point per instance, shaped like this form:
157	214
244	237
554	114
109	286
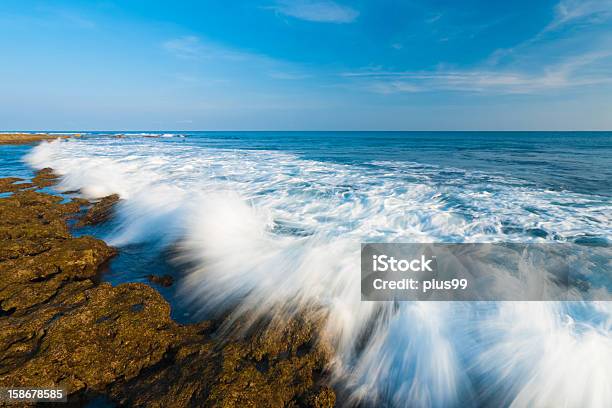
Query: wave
270	232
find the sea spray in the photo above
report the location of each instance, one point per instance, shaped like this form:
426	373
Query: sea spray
268	232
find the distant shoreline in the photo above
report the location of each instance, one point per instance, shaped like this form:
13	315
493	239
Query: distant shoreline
27	138
80	132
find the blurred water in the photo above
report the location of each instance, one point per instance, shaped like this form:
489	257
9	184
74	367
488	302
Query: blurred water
266	221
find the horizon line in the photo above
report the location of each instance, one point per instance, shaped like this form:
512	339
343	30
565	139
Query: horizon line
305	130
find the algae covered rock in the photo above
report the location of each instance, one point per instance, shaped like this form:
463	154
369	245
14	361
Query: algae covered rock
27	138
11	184
93	338
60	327
100	211
45	177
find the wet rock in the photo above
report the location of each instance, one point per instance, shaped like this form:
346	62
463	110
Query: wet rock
35	279
37	253
322	398
163	280
26	138
263	369
30	224
80	201
92	338
45	178
100	211
60	328
12	184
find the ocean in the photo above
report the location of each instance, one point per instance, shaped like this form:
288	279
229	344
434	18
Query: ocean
266	221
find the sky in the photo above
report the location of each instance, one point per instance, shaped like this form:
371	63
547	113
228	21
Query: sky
306	65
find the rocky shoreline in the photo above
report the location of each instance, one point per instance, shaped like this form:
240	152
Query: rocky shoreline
60	326
28	138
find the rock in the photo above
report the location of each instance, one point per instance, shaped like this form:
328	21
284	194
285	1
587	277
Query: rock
263	369
28	281
80	201
59	327
323	398
100	211
26	138
31	223
12	184
163	280
90	339
37	253
45	178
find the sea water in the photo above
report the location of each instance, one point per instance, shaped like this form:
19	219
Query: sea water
266	222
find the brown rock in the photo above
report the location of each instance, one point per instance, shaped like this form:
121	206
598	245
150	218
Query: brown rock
92	338
163	280
12	184
325	397
59	328
45	178
26	138
100	211
80	201
31	223
37	254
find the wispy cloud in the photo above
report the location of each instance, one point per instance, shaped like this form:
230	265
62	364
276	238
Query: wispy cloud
433	18
568	11
188	47
573	72
540	64
566	14
320	11
192	47
226	64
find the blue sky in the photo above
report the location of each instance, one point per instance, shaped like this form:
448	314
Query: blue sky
306	65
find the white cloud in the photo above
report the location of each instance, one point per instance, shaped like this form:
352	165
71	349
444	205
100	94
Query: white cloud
566	14
225	64
581	70
568	11
321	11
193	48
188	47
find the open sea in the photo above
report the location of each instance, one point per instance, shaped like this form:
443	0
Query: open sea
270	221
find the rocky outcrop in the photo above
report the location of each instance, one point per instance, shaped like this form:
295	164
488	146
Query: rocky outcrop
11	184
163	280
60	327
26	138
45	178
100	211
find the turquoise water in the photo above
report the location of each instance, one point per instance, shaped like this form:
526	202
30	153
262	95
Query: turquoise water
576	161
